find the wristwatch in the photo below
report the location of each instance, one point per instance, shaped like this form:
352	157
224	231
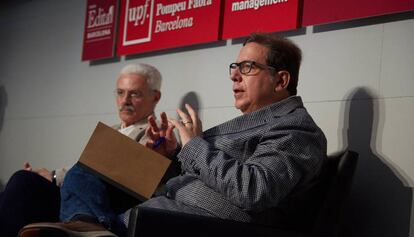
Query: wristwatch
54	177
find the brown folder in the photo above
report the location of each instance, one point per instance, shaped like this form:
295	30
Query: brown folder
124	162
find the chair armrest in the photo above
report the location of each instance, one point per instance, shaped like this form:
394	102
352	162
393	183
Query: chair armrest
146	221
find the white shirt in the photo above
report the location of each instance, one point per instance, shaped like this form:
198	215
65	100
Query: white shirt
127	131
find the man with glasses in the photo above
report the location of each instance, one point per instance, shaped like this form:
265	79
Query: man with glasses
33	195
257	167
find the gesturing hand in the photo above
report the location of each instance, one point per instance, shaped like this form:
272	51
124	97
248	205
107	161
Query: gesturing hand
161	139
189	126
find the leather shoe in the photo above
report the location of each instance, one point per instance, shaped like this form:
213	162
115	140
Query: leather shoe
65	229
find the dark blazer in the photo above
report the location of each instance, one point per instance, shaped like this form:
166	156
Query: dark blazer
244	168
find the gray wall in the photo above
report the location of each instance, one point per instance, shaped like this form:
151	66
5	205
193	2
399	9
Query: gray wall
356	80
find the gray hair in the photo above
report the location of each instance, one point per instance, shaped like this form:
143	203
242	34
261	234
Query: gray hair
152	74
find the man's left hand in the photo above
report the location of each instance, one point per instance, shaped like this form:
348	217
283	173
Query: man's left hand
189	126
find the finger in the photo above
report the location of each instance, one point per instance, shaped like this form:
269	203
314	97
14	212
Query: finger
170	134
149	144
180	127
184	117
152	138
27	166
153	124
193	115
184	132
150	134
164	121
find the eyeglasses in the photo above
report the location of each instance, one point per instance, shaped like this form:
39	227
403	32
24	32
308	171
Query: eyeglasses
246	67
130	94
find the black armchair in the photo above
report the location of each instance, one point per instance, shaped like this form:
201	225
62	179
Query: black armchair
333	188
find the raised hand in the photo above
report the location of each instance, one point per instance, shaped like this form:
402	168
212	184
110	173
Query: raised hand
189	126
161	138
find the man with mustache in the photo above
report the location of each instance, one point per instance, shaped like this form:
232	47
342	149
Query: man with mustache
255	168
32	195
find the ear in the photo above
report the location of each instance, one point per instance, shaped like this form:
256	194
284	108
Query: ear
283	79
157	96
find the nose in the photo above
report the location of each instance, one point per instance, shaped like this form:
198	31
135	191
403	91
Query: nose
235	75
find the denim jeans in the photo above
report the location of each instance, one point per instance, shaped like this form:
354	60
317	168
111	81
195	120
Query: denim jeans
84	193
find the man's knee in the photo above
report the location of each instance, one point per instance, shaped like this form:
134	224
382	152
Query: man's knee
24	176
24	181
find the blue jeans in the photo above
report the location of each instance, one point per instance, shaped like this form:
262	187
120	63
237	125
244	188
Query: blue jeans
84	193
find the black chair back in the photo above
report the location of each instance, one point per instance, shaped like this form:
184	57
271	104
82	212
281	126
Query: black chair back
338	171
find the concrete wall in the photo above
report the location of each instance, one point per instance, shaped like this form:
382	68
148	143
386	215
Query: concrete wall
357	80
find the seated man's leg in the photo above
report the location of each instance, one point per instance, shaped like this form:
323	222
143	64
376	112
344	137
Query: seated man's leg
86	200
85	194
27	198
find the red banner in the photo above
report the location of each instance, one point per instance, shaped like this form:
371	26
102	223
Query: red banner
149	25
244	17
99	34
326	11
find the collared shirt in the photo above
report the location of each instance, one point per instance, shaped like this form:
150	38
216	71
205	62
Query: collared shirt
127	130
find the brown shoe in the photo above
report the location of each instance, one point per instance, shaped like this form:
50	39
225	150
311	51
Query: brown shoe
65	229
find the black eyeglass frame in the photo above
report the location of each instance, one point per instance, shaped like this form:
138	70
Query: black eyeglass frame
251	63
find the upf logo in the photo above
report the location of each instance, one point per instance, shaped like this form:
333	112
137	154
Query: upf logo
138	21
138	14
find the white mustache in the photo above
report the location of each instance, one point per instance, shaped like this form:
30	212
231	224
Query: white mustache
128	108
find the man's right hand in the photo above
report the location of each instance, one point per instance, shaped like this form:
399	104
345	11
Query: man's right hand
154	133
45	173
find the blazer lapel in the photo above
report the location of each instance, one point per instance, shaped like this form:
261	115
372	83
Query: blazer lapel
138	132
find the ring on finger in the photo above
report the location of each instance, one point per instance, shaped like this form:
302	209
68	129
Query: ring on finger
186	122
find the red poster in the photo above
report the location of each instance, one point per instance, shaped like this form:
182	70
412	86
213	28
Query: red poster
149	25
99	34
244	17
326	11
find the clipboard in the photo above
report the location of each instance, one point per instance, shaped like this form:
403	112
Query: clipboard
123	162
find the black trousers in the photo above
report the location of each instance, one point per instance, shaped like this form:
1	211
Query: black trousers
27	198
